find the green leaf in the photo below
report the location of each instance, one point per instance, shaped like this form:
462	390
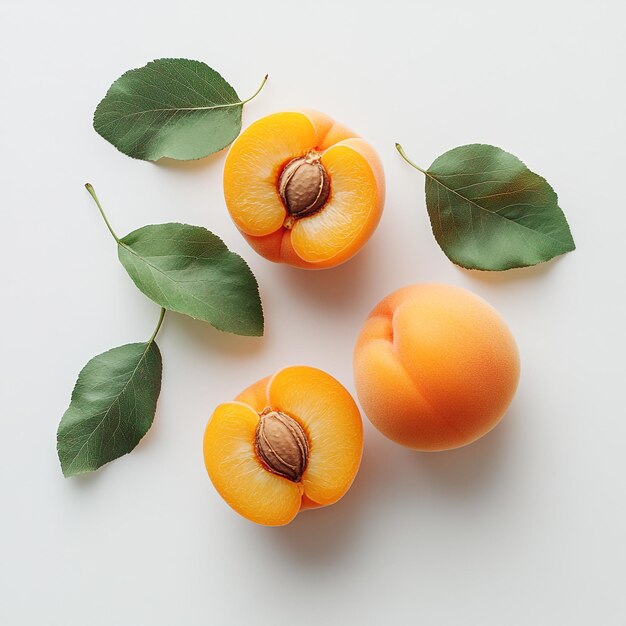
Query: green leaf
189	270
174	108
112	407
488	211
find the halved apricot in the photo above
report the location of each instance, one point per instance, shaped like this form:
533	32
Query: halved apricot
289	442
435	367
303	189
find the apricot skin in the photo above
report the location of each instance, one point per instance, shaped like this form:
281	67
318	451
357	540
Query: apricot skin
435	367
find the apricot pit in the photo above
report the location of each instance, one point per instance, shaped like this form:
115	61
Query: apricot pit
304	185
282	445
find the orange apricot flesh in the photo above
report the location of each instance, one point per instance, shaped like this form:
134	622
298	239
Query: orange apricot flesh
331	234
435	367
331	421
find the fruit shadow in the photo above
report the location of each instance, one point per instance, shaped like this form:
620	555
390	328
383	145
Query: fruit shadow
318	537
334	288
469	471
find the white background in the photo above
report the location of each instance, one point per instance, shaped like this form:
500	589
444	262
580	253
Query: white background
525	527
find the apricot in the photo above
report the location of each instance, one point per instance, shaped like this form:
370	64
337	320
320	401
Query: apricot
435	367
303	189
289	442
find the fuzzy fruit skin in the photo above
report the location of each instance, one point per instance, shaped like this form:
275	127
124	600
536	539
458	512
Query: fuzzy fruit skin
328	415
435	367
251	180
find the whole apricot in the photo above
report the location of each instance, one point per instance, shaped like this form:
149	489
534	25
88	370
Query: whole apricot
289	442
435	367
303	189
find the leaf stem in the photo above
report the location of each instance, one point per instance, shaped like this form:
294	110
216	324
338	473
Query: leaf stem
158	326
258	91
92	193
400	149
